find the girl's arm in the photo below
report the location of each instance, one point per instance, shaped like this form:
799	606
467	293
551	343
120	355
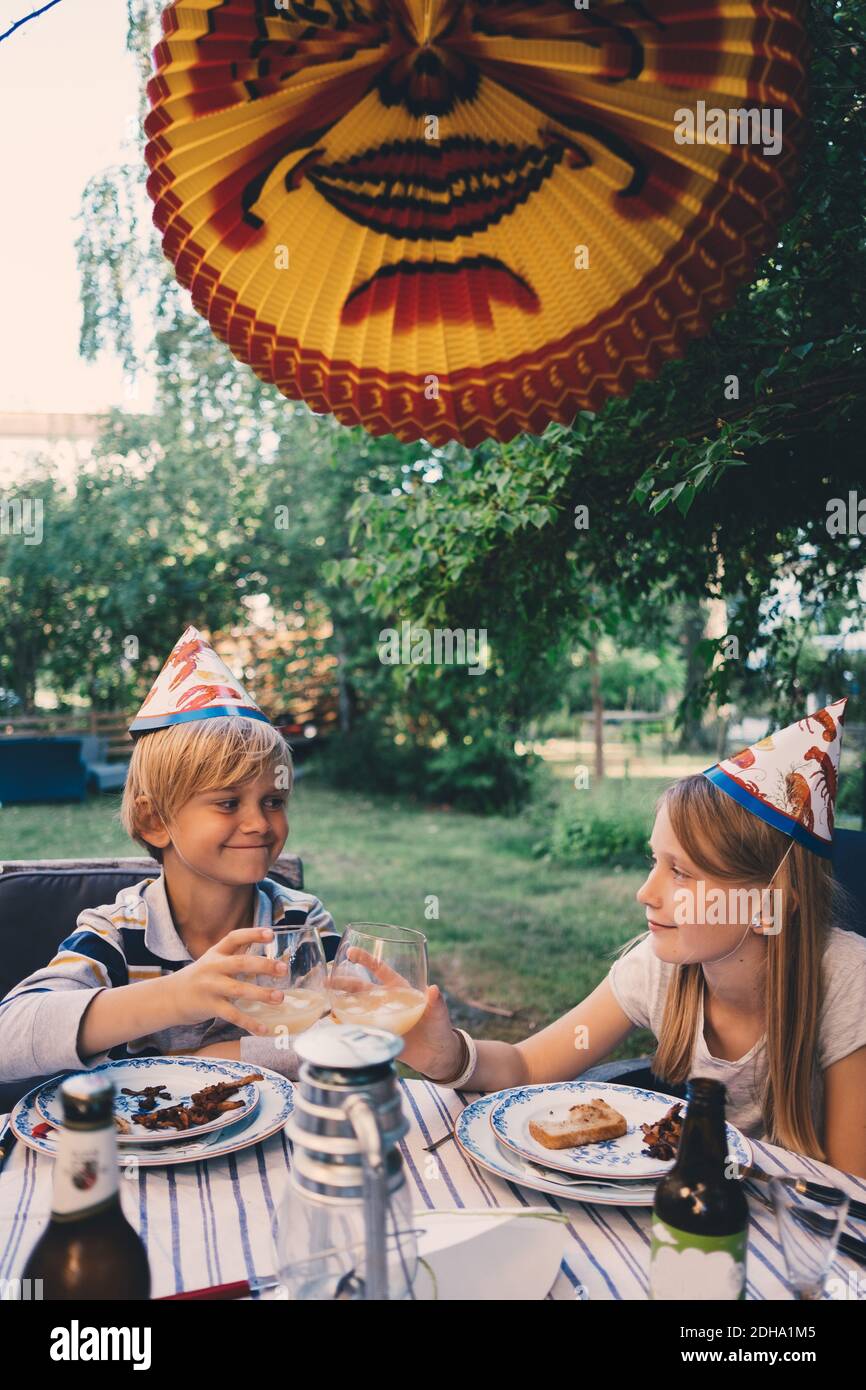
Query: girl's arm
563	1050
845	1113
579	1040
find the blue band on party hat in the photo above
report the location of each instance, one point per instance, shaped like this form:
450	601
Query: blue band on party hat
144	726
780	820
790	777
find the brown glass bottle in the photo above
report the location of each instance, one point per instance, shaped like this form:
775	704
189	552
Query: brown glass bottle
89	1250
700	1215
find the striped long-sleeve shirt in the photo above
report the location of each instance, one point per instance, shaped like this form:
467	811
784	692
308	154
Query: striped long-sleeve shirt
131	939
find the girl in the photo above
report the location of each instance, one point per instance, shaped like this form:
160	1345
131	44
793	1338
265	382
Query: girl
755	988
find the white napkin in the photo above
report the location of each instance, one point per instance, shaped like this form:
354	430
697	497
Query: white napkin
486	1258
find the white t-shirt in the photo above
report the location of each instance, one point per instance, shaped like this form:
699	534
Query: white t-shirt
639	981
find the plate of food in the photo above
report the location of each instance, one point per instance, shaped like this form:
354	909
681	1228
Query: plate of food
601	1129
158	1100
276	1100
475	1137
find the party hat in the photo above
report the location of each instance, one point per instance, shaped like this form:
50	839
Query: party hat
789	778
193	684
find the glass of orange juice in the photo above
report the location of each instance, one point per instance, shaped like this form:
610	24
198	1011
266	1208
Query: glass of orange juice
379	977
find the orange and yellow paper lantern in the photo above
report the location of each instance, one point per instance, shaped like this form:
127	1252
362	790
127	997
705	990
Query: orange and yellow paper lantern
459	219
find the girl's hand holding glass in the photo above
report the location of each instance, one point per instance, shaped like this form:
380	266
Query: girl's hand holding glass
379	979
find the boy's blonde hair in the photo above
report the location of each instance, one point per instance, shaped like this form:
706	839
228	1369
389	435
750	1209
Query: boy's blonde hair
169	766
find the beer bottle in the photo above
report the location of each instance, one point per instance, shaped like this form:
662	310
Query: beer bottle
700	1216
89	1250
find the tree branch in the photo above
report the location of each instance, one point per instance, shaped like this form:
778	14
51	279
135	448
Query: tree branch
26	18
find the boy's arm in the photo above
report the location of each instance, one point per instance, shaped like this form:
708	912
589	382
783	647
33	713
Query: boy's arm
41	1018
116	1015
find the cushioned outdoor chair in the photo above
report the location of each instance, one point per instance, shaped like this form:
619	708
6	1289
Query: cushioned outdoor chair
42	769
39	904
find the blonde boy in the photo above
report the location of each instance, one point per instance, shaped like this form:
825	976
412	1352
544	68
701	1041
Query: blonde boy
157	971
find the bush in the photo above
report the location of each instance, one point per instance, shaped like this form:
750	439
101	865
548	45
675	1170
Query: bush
368	759
609	827
850	798
485	775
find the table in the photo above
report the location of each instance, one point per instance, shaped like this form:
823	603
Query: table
210	1222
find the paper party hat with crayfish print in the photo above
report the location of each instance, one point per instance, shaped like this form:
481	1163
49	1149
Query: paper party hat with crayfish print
193	684
789	778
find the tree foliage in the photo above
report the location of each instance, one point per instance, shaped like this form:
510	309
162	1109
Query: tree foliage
687	494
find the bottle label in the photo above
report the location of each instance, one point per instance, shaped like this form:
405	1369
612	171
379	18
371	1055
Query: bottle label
85	1171
687	1267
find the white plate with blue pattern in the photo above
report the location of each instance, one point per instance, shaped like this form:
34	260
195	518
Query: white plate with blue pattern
611	1158
475	1137
276	1101
181	1077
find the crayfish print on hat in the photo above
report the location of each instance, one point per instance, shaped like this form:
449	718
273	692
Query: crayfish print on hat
790	778
194	683
460	219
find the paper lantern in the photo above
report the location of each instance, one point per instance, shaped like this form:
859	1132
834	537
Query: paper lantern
456	219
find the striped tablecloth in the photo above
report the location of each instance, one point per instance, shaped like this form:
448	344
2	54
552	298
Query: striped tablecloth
210	1223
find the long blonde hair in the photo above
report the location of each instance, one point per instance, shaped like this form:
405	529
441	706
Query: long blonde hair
728	843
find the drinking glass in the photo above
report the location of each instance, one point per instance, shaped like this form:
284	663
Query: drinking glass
379	977
304	987
809	1228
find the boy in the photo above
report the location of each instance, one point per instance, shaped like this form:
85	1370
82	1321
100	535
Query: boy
156	972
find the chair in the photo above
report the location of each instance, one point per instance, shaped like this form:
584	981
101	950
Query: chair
849	868
41	769
102	775
634	1071
39	904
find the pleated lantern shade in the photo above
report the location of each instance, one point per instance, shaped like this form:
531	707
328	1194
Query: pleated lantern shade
457	219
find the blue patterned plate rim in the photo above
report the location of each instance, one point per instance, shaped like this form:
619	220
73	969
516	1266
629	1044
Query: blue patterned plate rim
276	1103
475	1137
49	1105
608	1159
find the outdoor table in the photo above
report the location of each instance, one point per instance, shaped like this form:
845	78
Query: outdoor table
209	1222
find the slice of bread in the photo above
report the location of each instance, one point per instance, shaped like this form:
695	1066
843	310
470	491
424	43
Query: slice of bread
583	1124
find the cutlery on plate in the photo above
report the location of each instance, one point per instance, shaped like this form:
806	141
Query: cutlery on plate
805	1188
553	1175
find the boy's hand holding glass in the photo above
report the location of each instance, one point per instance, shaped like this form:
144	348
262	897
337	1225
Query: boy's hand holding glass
302	996
210	987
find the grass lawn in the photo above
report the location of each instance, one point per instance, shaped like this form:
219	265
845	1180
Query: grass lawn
514	932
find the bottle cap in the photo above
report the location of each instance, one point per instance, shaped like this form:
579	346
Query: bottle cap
705	1088
86	1097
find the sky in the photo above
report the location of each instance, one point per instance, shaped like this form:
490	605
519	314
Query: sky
68	90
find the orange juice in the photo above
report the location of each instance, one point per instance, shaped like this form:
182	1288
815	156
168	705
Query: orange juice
394	1008
298	1011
